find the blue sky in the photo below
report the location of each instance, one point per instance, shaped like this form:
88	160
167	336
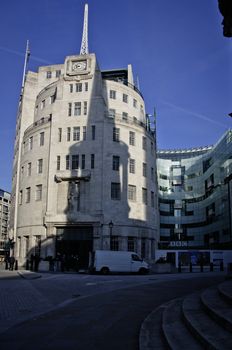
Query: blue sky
176	48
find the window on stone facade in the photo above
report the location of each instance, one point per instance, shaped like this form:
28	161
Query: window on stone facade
41	139
132	138
52	99
112	113
132	193
67	160
59	134
77	108
115	191
92	161
132	166
30	143
71	88
40	166
125	98
86	86
116	134
131	244
116	163
22	170
134	103
20	197
152	199
93	132
29	169
76	133
28	195
144	143
69	109
144	169
85	107
124	116
152	174
58	163
75	161
78	87
68	134
43	104
83	161
38	193
114	243
144	195
113	94
84	133
58	73
49	74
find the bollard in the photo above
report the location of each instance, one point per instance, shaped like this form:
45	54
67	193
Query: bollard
190	267
211	266
179	267
16	265
202	267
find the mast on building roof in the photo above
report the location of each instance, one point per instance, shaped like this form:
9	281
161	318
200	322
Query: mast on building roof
84	43
27	55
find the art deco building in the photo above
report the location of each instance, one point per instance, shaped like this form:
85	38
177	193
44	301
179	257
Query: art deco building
195	196
84	173
4	220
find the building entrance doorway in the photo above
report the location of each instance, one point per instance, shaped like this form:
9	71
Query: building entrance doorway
73	247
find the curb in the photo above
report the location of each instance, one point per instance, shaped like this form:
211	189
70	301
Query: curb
28	275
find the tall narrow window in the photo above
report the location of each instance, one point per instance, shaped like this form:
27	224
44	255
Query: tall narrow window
124	115
28	195
67	162
144	195
78	87
115	190
132	166
112	113
132	193
58	73
71	88
84	133
144	143
132	138
131	244
152	199
49	74
116	134
85	107
52	98
68	134
75	161
58	163
113	94
83	161
134	103
125	98
93	132
92	161
20	197
41	139
40	166
59	134
29	169
69	109
38	193
116	163
30	143
86	86
43	104
144	169
76	133
77	108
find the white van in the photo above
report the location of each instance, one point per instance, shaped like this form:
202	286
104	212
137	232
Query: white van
106	261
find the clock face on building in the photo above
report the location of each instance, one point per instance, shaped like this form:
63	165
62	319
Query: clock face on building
79	66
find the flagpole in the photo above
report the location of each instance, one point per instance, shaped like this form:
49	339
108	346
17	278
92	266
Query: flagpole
27	54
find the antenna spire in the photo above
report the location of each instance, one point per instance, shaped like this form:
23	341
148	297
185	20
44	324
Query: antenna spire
84	43
27	55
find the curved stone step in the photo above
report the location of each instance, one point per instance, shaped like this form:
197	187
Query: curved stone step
203	327
175	331
217	308
151	337
225	290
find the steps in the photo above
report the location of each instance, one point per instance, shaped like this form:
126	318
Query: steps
201	320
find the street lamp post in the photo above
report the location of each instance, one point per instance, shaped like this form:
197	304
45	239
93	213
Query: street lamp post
111	228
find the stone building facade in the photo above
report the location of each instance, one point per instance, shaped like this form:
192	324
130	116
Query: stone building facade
84	174
4	221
